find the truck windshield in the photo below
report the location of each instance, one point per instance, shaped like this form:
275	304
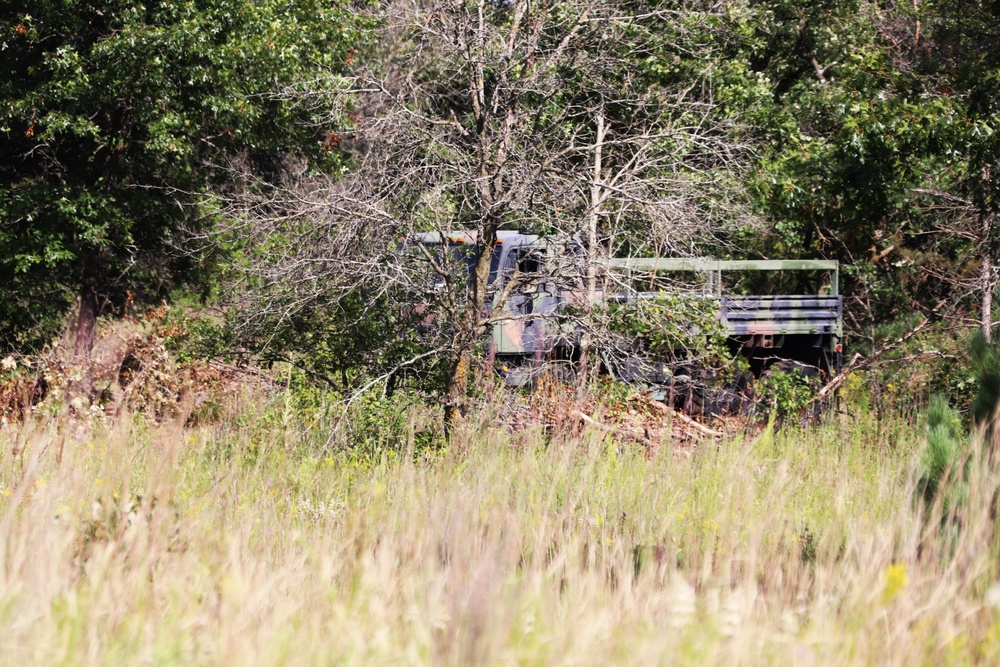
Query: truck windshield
495	263
466	254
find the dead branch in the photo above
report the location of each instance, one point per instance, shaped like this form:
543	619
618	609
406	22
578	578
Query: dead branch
611	430
833	385
821	70
671	413
857	361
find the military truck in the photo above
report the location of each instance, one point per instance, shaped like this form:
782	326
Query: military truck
534	280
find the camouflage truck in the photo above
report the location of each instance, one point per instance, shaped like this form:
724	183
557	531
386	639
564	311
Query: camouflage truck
535	279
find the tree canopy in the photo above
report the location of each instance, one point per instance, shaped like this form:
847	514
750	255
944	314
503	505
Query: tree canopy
141	140
116	116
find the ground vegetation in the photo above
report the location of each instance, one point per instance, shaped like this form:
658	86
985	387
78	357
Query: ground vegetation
257	539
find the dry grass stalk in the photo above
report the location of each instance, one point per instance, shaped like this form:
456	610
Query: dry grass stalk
238	545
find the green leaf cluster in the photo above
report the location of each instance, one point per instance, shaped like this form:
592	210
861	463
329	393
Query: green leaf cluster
117	116
675	328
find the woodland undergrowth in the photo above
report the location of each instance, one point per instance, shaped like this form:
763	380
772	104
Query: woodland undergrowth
284	531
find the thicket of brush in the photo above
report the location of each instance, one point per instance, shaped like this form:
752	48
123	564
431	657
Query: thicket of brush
257	538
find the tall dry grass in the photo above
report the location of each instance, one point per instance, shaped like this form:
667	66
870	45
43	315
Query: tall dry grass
249	544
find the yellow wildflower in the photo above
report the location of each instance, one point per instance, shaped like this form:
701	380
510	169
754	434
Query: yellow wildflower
895	581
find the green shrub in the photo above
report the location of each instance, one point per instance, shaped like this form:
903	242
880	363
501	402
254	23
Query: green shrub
675	328
786	393
945	443
985	363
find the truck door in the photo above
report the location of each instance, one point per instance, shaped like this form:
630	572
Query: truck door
521	279
526	267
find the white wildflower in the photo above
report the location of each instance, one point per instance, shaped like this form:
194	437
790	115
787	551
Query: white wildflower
992	597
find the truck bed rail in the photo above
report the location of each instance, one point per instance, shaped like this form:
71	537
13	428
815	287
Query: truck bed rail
808	327
780	315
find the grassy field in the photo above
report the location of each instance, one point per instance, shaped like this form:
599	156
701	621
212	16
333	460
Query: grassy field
247	543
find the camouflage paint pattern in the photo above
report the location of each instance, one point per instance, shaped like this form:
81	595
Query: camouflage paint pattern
531	329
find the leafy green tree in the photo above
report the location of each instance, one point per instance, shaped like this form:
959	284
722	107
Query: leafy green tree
962	70
115	117
879	145
850	130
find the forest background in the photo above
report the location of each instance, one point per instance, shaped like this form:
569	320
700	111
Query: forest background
267	157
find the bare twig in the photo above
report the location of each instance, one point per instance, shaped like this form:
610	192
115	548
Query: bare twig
608	429
671	413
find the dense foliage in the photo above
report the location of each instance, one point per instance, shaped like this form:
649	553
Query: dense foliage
844	129
115	118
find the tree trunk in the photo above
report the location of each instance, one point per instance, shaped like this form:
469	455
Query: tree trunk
469	328
456	389
86	322
592	220
987	281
